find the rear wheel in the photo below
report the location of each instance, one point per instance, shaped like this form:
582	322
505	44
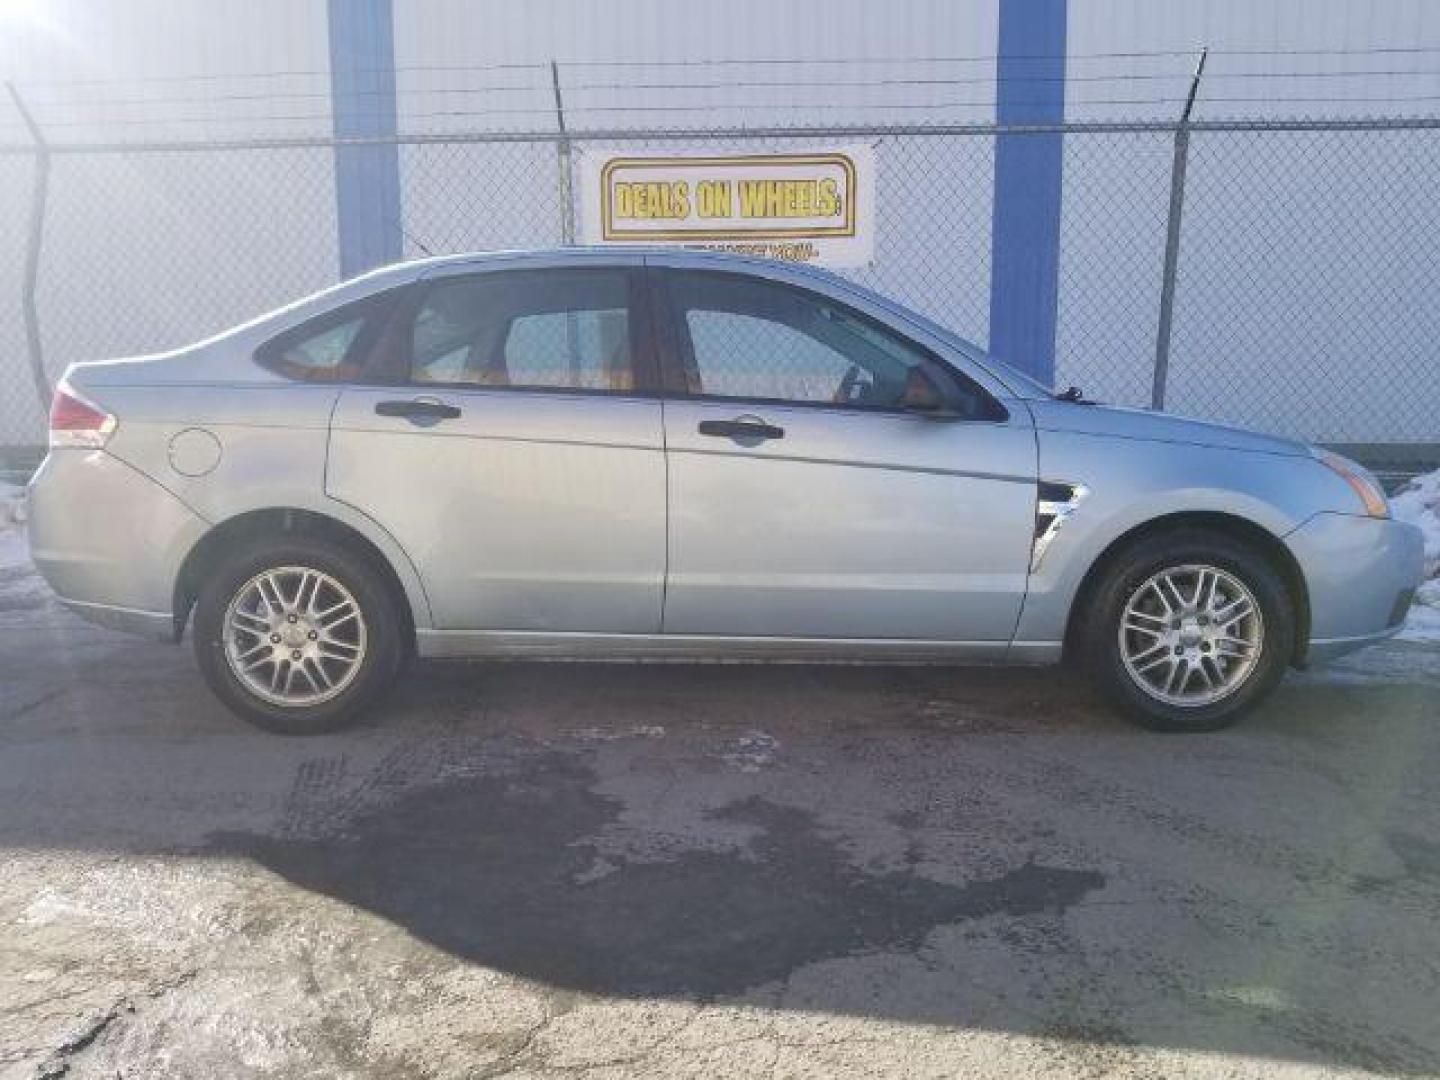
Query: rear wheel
297	635
1188	630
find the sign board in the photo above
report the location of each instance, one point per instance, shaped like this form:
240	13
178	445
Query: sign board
815	206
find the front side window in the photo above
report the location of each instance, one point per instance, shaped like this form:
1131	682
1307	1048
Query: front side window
537	329
745	338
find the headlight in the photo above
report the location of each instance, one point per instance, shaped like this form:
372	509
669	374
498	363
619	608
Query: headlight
1372	495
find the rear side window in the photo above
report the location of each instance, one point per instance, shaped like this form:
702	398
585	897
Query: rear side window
331	347
560	329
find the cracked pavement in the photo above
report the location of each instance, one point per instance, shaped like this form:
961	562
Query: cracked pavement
620	871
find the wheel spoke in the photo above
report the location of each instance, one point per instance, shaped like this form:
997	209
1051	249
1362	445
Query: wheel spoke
1164	599
1164	658
328	651
1136	614
248	621
1157	628
269	590
339	620
1202	577
1140	659
1238	650
1175	594
305	578
1234	611
325	680
304	668
258	647
1200	669
1209	601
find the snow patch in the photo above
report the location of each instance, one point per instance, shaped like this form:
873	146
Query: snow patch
14	552
1419	504
12	506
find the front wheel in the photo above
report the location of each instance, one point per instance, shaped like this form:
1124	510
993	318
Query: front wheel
297	635
1189	630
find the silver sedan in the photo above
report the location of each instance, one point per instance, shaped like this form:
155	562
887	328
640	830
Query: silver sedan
677	455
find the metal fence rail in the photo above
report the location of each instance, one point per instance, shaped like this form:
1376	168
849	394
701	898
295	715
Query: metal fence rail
1279	274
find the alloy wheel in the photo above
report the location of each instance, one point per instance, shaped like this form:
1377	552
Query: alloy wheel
1191	635
294	636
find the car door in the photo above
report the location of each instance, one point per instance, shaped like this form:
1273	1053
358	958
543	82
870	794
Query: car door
831	478
518	458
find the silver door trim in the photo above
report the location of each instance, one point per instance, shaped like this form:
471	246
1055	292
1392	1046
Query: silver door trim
547	645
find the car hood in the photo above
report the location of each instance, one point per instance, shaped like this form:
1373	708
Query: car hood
1123	423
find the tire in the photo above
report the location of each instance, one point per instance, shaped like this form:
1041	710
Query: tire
1136	668
329	688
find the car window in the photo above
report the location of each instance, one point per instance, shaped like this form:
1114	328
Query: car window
540	328
738	355
329	347
755	339
326	349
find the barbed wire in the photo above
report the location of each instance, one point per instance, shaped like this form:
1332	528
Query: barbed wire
745	85
544	66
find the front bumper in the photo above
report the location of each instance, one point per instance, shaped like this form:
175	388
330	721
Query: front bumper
109	540
1357	571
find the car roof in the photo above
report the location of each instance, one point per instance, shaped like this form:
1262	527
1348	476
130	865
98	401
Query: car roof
654	253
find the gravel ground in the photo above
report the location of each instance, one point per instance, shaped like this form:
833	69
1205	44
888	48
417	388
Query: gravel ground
595	870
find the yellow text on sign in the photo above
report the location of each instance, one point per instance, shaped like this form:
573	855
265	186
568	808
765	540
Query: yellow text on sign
773	199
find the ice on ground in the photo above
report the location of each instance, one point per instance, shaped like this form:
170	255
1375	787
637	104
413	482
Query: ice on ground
1419	503
12	506
14	552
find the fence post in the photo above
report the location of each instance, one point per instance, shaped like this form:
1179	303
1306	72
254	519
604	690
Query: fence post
562	150
1172	240
34	237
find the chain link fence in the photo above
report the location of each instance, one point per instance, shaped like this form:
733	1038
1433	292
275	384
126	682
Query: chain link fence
1304	282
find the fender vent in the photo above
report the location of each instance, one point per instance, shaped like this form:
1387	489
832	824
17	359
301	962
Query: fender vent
1055	501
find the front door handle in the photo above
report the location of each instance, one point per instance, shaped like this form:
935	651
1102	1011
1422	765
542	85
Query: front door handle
741	429
419	409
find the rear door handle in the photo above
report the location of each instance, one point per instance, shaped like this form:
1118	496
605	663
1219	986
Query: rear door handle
418	409
741	429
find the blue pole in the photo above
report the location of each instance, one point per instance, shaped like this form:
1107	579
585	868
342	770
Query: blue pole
1025	236
367	178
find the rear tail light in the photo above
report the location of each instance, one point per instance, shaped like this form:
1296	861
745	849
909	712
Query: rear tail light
75	420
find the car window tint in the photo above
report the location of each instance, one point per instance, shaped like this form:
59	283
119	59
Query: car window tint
755	339
744	356
326	349
329	347
543	328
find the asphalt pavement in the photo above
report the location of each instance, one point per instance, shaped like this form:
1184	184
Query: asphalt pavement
620	870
